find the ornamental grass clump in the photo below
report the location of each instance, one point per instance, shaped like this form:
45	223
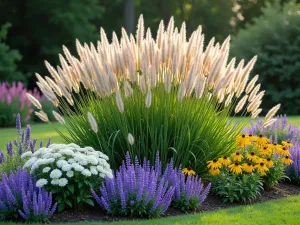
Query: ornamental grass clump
140	190
69	172
170	93
20	198
257	163
11	160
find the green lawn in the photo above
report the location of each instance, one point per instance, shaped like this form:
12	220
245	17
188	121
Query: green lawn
276	212
41	131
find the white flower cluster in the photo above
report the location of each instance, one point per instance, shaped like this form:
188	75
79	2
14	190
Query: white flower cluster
59	163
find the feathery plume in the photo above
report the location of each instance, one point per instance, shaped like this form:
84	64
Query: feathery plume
127	89
241	104
251	84
58	117
272	112
148	99
92	121
181	91
34	101
130	139
268	122
256	113
119	101
42	115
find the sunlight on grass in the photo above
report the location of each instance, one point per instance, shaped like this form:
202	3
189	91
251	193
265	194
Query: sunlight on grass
39	131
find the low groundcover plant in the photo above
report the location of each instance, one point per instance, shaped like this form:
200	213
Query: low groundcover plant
21	198
170	93
139	190
68	171
255	164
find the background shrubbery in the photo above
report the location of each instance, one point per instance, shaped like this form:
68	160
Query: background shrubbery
275	38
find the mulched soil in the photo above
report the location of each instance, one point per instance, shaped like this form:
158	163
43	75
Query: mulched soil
211	203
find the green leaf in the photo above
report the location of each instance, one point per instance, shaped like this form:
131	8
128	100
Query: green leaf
89	201
71	188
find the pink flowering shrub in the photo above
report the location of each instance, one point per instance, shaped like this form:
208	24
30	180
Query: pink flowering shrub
13	100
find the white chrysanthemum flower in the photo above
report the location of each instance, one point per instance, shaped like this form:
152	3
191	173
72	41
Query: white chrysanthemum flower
66	167
60	163
30	162
67	152
41	182
57	155
93	170
55	181
92	160
46	169
86	173
72	145
109	174
77	167
100	169
26	154
71	161
70	174
47	155
56	173
62	182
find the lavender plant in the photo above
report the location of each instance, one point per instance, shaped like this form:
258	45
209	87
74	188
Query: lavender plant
278	131
137	191
19	196
11	160
142	190
293	170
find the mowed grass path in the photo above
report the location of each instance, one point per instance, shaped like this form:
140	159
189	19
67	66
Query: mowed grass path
276	212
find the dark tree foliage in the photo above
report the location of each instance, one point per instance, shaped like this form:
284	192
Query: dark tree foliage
41	27
275	38
8	57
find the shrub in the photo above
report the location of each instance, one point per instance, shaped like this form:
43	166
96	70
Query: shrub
168	96
19	196
277	132
11	160
13	100
69	172
139	190
241	176
275	39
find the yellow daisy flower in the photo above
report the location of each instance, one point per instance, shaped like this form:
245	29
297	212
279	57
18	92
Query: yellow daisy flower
189	171
276	147
247	167
262	168
214	164
287	144
214	172
243	140
265	151
261	140
236	168
286	160
252	138
269	163
252	157
225	161
237	156
284	151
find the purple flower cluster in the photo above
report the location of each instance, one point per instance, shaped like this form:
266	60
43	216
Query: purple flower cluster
12	96
278	131
16	148
141	190
293	170
18	192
